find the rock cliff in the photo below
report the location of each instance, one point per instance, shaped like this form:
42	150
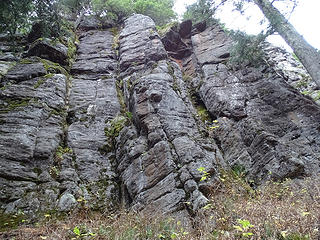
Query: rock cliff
139	120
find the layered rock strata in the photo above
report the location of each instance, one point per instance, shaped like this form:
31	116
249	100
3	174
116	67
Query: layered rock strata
265	125
139	123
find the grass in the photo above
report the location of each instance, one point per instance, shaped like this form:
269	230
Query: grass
277	210
287	210
94	225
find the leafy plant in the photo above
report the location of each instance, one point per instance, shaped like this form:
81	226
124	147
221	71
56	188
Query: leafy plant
81	232
61	151
159	10
238	170
14	15
243	227
205	174
214	125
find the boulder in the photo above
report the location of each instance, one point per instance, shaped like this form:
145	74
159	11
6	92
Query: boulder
199	27
67	202
47	49
92	23
174	45
185	29
26	70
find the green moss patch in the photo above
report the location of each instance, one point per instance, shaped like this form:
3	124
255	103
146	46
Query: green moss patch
13	104
113	129
52	67
61	151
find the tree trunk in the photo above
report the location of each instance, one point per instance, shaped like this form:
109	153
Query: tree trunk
307	54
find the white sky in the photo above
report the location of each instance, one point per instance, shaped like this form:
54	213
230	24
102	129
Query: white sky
306	19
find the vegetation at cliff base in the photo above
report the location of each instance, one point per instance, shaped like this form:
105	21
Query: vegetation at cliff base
286	210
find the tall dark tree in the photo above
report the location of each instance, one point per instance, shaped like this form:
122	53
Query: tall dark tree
308	55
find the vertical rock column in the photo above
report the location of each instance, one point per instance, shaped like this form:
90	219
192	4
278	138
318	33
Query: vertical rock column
160	154
32	117
89	172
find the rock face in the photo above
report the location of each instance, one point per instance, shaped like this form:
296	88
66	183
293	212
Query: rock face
140	122
265	125
158	156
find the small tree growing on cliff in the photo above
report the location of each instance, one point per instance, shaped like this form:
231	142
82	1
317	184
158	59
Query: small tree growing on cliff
203	10
199	11
307	54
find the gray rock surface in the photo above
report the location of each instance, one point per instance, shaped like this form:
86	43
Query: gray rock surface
95	53
265	125
32	120
144	127
140	44
52	132
93	23
292	70
164	147
93	102
66	202
24	71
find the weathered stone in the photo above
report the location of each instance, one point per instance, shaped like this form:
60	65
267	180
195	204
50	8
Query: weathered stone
173	43
66	202
21	71
47	49
125	126
211	46
264	123
8	57
31	130
4	67
166	132
95	54
140	43
199	27
292	71
93	102
93	23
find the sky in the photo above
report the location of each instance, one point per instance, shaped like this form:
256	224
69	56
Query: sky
305	19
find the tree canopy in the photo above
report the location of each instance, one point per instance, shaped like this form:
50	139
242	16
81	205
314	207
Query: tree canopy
17	16
159	10
14	15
